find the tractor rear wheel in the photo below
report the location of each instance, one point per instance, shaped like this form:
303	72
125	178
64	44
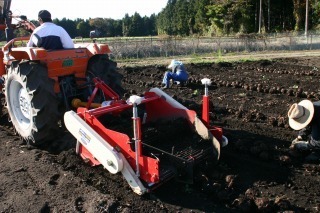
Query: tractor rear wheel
31	102
104	68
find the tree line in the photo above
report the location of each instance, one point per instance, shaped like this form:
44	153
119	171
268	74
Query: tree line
134	25
204	18
224	17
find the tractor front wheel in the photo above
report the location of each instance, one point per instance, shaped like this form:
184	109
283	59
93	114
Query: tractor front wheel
31	102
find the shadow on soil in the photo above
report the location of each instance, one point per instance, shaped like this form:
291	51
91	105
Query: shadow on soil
214	192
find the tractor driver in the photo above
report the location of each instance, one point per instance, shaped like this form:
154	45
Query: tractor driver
49	35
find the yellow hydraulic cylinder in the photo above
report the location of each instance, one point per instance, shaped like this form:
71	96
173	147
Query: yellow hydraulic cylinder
78	103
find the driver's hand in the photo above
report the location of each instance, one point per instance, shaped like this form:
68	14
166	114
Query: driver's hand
29	26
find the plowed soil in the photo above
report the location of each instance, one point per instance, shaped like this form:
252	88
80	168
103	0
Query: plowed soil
257	172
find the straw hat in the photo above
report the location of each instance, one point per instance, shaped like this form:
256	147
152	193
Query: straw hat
301	114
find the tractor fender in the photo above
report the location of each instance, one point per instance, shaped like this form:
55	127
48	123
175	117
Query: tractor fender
93	142
94	48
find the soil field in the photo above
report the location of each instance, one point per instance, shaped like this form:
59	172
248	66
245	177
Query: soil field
257	172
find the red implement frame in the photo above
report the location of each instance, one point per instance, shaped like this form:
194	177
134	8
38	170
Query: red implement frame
216	131
156	107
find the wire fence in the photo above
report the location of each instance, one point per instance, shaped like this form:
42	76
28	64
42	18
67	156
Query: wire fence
128	48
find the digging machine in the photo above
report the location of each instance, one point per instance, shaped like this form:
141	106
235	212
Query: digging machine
81	89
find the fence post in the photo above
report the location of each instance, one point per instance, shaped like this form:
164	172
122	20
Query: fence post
198	42
166	45
160	49
126	44
137	50
219	47
237	39
290	42
175	45
193	47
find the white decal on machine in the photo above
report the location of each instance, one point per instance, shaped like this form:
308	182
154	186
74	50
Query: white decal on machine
84	137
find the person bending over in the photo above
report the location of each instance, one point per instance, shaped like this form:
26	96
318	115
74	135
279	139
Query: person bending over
177	74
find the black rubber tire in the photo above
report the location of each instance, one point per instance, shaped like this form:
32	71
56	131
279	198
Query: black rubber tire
31	102
104	68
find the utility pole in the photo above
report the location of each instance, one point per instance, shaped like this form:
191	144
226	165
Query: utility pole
306	26
260	14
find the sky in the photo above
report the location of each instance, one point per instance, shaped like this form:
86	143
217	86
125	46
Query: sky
85	9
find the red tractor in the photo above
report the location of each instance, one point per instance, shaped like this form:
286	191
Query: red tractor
39	85
82	88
